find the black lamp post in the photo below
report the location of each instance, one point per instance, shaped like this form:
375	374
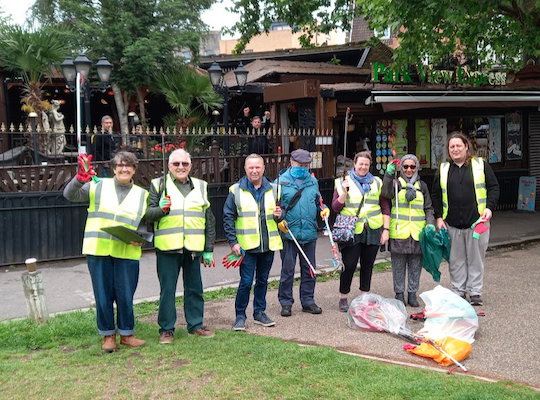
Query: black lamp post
82	65
216	78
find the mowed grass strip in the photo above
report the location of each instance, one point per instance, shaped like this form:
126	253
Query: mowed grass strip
62	359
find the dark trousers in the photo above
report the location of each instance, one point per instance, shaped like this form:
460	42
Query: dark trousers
114	280
307	282
168	270
350	255
254	265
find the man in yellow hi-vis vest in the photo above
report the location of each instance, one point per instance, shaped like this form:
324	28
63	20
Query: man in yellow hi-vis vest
184	230
250	217
465	190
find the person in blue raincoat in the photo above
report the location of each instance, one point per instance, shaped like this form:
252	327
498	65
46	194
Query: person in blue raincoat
300	214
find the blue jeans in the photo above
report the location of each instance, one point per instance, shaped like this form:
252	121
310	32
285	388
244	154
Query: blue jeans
307	283
114	281
254	265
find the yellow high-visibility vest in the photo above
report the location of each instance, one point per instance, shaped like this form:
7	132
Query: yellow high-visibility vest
248	228
185	225
104	211
370	212
410	217
479	179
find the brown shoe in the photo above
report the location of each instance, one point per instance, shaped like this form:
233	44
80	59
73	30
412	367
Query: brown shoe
203	331
131	341
109	343
166	337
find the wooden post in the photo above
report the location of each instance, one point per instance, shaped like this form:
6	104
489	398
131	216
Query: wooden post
34	293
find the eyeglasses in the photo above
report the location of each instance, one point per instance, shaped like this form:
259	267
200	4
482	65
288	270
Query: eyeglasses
409	166
120	166
185	164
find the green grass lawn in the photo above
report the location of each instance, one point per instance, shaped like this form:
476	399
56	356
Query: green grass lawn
62	359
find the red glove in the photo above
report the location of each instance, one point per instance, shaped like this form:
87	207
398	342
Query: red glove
86	171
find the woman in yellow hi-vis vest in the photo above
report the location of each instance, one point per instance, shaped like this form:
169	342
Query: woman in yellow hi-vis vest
113	264
411	210
359	193
465	190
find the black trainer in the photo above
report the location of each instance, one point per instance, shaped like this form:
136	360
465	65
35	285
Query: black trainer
312	309
476	301
286	311
412	300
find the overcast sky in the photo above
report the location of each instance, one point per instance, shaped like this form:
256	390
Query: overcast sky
215	18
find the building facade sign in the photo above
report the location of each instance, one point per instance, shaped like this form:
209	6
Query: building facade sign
461	76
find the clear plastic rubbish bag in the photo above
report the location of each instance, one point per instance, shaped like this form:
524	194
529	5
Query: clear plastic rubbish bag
376	313
447	314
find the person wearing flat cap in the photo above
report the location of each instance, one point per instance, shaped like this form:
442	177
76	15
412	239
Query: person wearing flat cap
299	202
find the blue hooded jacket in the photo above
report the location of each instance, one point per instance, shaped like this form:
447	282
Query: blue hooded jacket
302	218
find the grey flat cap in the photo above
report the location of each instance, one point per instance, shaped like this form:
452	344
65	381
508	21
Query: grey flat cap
301	156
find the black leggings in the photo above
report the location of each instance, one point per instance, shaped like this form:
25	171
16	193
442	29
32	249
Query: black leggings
350	255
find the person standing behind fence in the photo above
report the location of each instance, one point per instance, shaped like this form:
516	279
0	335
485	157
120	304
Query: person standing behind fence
185	230
105	143
250	218
411	210
113	264
359	193
300	201
465	190
257	138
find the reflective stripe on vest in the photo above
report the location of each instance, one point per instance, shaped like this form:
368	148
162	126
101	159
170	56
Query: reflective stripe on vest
411	217
248	227
370	212
479	179
104	211
185	225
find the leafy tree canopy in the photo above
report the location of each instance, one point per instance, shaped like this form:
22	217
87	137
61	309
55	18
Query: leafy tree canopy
137	36
495	32
306	16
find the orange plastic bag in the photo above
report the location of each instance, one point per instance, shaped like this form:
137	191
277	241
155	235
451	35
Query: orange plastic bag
458	349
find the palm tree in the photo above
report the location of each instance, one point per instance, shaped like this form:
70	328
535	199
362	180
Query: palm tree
190	94
31	55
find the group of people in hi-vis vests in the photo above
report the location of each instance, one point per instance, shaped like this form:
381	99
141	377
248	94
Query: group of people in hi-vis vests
261	217
398	207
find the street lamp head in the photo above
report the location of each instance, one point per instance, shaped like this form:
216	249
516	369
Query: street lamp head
68	70
104	69
83	65
241	76
215	113
215	73
32	114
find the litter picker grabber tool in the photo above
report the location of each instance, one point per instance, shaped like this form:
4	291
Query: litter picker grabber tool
284	228
336	259
164	163
439	349
396	188
80	80
348	118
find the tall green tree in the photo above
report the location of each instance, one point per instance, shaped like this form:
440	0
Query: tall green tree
503	32
30	55
137	36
